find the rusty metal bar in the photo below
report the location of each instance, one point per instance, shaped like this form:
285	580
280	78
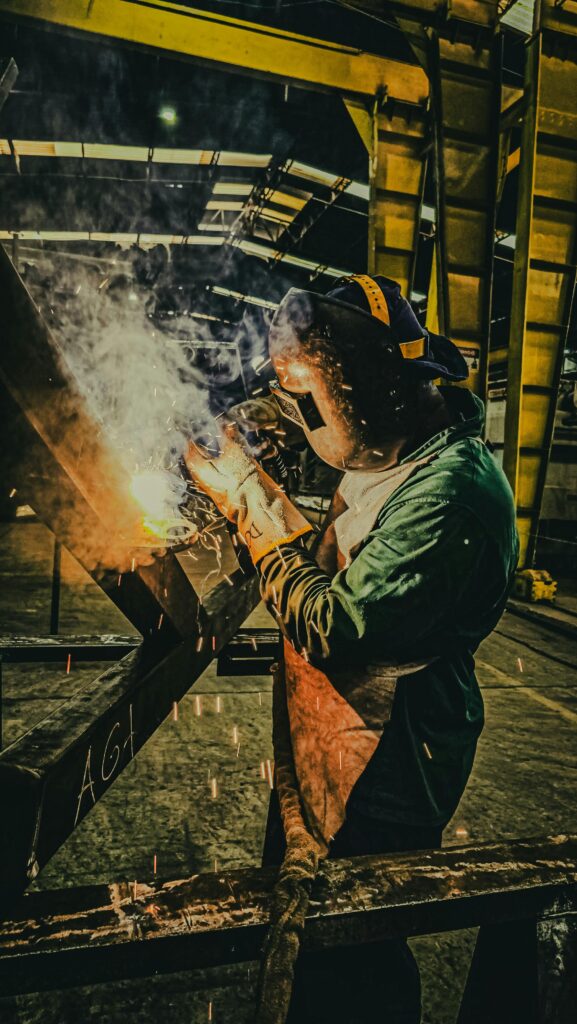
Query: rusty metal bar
59	938
54	649
53	776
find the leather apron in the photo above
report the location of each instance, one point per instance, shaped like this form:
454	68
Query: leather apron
336	721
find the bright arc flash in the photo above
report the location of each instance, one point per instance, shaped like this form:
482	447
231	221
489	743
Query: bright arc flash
156	494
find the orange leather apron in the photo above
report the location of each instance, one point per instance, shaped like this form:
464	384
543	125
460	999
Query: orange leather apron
336	722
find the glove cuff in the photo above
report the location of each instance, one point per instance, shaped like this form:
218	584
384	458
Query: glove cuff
257	556
267	518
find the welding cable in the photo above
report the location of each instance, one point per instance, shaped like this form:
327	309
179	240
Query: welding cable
291	894
265	451
278	463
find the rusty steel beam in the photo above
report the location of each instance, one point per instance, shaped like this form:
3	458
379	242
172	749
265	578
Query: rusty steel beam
56	458
51	777
59	938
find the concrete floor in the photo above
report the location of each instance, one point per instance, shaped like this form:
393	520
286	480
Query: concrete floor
162	804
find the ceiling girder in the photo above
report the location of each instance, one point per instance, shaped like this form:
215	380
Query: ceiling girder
231	43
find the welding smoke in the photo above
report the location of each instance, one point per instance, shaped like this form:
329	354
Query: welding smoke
142	388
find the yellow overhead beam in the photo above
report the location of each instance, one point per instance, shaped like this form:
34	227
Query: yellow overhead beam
229	42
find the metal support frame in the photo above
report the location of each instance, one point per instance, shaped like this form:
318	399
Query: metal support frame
397	169
52	650
544	273
466	97
51	777
442	15
464	69
522	893
256	48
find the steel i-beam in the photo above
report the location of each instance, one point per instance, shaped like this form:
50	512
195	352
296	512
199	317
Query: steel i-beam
51	777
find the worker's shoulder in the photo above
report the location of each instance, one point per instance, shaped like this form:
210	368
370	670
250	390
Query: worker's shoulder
464	474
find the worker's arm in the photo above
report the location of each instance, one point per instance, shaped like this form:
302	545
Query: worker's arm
406	582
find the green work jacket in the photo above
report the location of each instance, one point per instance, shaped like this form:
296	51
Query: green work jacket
430	581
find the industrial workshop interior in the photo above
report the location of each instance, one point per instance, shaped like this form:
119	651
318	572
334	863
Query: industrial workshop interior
288	511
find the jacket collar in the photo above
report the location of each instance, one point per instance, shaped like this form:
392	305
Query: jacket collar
469	413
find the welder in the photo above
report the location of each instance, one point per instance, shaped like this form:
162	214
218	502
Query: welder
383	613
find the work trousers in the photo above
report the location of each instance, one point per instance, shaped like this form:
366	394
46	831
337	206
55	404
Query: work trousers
368	984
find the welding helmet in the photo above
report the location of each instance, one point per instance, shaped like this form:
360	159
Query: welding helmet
345	362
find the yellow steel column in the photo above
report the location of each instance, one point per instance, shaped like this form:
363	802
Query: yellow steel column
398	170
395	136
544	273
466	96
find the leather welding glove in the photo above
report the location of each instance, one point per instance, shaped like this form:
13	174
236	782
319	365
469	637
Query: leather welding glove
248	496
256	414
264	415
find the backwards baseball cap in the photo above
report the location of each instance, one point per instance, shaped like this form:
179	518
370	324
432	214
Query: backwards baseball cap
427	355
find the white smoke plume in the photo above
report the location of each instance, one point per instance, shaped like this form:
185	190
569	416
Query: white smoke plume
143	390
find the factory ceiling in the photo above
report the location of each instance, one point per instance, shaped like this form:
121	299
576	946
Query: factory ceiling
109	153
